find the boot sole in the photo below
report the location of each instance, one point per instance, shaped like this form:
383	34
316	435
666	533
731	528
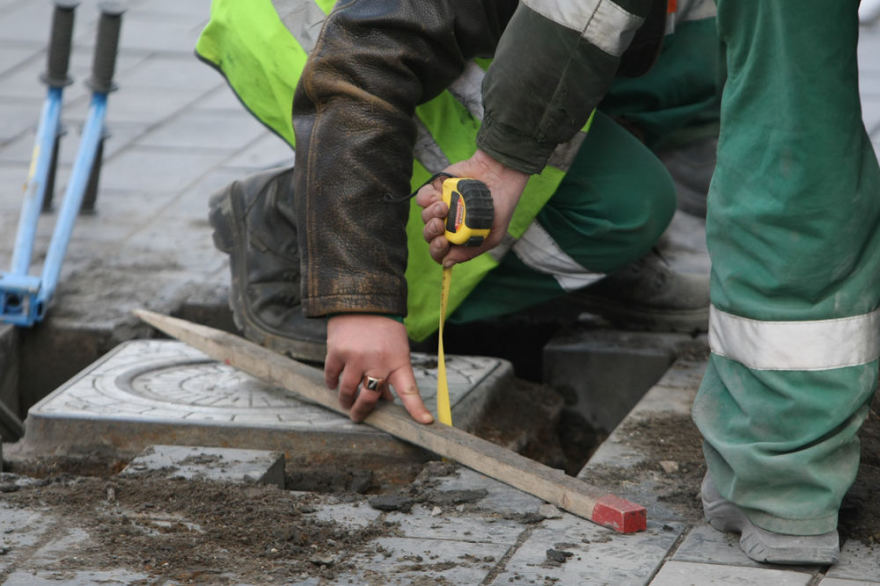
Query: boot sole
226	215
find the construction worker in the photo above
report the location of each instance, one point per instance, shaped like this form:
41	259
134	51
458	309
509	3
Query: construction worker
793	218
355	135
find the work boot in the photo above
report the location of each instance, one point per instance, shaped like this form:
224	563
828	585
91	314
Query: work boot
762	545
648	295
691	166
254	224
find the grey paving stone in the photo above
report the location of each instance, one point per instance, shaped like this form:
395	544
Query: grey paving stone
20	531
692	574
64	541
206	130
704	544
266	151
143	32
71	578
161	170
171	72
843	582
672	396
210	463
500	498
399	560
356	515
195	10
13	56
858	561
599	556
16	118
422	523
133	104
27	21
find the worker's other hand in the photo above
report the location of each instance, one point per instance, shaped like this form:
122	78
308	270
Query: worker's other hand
506	186
360	345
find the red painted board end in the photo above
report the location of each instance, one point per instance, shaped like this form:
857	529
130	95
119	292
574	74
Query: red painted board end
620	514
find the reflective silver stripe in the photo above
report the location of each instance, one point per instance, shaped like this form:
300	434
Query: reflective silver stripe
564	153
467	89
538	251
303	18
795	345
427	151
601	22
502	248
695	10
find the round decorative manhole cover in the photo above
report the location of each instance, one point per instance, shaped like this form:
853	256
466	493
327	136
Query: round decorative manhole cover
205	384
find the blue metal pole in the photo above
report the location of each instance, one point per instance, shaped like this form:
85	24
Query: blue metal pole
35	190
73	196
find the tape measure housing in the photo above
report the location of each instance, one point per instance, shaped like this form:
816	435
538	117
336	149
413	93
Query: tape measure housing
470	211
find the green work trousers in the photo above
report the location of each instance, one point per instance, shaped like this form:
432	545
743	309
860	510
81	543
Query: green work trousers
793	230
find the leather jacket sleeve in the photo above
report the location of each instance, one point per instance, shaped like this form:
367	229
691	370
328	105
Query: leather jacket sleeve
374	61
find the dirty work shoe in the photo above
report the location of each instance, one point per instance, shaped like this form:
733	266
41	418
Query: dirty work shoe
691	166
648	295
254	224
762	545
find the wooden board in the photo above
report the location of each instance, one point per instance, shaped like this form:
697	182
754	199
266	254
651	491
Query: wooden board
568	493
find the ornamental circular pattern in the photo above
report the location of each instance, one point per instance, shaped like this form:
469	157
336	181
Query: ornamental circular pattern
206	384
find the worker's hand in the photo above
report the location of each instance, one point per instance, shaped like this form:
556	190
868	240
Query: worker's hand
506	186
360	345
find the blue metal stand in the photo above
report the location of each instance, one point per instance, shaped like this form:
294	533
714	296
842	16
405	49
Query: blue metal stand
24	298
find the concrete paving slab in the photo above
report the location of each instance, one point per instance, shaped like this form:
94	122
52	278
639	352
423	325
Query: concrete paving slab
704	544
858	561
598	556
27	21
50	578
16	118
20	531
206	463
426	522
404	561
162	169
500	498
355	515
842	582
174	72
151	390
266	151
671	397
191	9
206	130
691	574
14	56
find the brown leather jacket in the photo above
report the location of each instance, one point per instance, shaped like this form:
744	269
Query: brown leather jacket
374	61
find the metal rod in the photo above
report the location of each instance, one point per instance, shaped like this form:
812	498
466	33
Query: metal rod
35	188
73	197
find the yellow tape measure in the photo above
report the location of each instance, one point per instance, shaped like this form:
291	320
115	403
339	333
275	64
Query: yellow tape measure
470	217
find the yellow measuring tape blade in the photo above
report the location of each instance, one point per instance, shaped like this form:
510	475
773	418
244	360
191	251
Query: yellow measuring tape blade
444	411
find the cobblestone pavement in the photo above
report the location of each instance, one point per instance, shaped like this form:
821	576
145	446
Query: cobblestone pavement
178	134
